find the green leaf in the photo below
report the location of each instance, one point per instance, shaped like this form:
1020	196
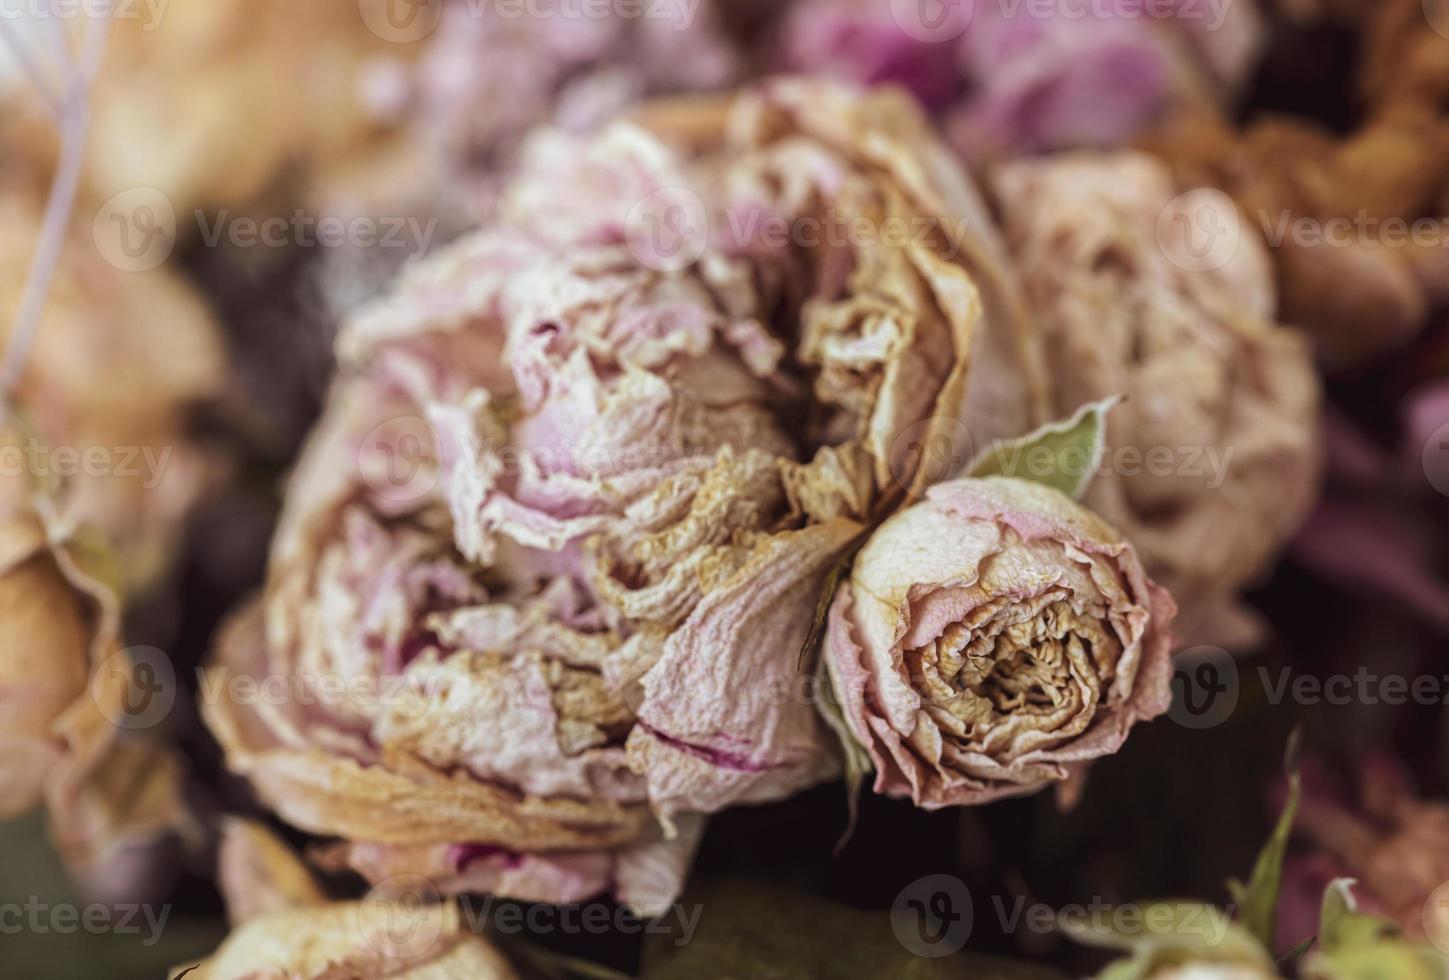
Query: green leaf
1336	920
1166	933
1258	899
751	931
1286	961
1388	960
1355	946
1062	455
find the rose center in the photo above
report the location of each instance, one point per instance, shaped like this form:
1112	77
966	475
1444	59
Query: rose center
1016	659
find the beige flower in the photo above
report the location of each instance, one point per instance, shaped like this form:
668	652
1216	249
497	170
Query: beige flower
993	638
64	685
45	637
571	506
209	101
1212	459
1330	203
285	929
119	361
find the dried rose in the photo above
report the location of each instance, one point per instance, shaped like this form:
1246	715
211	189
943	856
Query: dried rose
444	164
45	635
120	359
992	639
258	873
229	94
64	689
1009	82
354	939
574	72
1212	459
1330	204
284	926
581	503
1391	842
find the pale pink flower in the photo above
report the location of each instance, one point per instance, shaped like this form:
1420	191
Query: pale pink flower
994	638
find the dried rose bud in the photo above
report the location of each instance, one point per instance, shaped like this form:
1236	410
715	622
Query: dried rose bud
991	639
579	497
1212	459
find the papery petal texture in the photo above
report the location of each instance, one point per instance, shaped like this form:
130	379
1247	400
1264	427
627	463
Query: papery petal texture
1213	458
992	639
560	534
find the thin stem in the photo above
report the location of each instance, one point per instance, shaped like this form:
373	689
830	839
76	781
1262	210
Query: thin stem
74	118
61	45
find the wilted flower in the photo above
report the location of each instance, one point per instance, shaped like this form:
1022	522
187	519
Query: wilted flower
355	939
581	499
119	361
46	662
1393	844
1011	81
992	639
285	927
64	685
258	873
1353	220
576	72
208	101
1373	532
1212	458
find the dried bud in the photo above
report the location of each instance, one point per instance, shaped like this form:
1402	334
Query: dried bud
993	638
